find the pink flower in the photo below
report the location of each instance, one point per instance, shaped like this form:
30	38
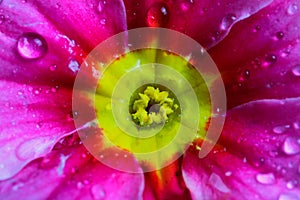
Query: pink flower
256	46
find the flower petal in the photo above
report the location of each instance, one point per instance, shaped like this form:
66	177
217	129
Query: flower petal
33	119
166	183
67	27
208	22
39	62
258	156
259	59
72	173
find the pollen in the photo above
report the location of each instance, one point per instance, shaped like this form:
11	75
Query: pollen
153	107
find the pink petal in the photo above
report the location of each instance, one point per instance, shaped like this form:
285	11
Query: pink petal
208	22
259	155
72	173
68	27
37	82
259	59
166	183
33	119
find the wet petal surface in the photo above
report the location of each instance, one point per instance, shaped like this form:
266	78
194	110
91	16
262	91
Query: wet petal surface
259	59
72	173
42	47
258	155
208	22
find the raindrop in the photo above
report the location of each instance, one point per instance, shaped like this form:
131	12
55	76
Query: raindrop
216	181
291	184
292	9
280	129
296	125
244	75
288	196
279	35
52	68
296	70
291	145
73	66
98	192
101	5
32	46
80	185
266	178
2	18
227	21
186	4
36	91
157	15
269	60
228	173
103	21
256	29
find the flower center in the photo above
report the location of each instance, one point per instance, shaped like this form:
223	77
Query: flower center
152	106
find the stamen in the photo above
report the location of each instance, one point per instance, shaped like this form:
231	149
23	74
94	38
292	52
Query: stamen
153	106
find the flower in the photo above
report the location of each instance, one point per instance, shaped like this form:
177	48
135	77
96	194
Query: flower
256	47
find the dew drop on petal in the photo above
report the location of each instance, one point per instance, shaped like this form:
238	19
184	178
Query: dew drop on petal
270	60
73	66
267	179
2	18
279	35
280	129
101	5
186	4
291	184
227	21
287	196
292	9
52	68
98	192
291	145
157	15
296	70
32	46
216	181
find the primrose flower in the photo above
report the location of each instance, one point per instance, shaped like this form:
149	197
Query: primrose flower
256	47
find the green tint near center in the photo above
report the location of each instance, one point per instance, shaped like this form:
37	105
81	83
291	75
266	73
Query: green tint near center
136	109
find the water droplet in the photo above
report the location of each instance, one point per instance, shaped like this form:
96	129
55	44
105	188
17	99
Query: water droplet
279	35
227	21
256	29
291	145
270	60
103	21
32	46
73	66
291	184
101	5
280	129
296	70
292	9
36	92
216	181
157	15
296	125
80	185
2	18
244	75
267	179
52	68
186	4
98	192
16	186
287	196
228	173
